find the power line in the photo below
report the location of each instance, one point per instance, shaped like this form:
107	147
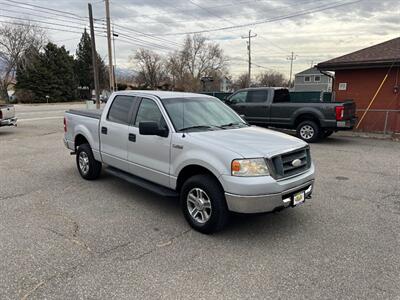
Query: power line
127	29
280	18
46	8
47	23
57	13
42	27
142	41
42	16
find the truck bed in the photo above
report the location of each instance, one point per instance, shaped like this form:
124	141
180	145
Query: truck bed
90	113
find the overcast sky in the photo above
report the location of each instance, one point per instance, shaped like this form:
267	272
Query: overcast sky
281	27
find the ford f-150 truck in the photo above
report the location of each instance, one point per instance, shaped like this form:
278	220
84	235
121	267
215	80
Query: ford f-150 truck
273	107
195	147
7	115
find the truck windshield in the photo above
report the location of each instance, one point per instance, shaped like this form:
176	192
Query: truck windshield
201	114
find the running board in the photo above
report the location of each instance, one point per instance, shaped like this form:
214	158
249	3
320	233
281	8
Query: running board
148	185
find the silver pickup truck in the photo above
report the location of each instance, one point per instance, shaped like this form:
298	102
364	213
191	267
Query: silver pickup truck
194	147
7	116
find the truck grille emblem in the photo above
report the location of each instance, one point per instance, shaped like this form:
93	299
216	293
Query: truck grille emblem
296	163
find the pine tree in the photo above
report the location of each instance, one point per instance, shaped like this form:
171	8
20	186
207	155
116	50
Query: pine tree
48	73
83	64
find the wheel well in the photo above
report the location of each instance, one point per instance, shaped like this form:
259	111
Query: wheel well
306	117
79	140
190	171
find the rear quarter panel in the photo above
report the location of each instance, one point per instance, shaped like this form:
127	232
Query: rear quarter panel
88	127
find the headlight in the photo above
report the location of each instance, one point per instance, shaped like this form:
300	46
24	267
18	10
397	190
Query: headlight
249	167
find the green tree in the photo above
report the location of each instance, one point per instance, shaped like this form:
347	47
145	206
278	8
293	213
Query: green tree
47	73
84	65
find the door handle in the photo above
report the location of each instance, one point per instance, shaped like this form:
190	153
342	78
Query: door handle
104	130
132	137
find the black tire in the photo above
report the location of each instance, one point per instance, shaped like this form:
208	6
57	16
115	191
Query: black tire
308	131
218	212
94	167
327	133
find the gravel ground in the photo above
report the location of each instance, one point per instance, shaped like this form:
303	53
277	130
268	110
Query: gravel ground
66	238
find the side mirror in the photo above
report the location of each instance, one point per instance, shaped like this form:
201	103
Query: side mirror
151	128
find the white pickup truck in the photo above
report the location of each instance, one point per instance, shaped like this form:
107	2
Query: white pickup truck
194	147
7	116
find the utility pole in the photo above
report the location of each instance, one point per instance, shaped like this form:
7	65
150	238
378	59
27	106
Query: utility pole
94	58
292	57
115	59
249	52
110	60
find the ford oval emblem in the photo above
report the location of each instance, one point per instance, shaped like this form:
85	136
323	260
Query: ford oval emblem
296	163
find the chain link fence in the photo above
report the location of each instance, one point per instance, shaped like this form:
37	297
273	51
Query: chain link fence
378	120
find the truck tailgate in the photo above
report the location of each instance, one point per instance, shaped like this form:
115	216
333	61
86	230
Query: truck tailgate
349	110
7	112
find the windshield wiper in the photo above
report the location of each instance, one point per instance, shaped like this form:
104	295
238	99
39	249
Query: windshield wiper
195	127
232	124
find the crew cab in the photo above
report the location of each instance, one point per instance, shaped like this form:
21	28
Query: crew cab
7	116
272	107
194	147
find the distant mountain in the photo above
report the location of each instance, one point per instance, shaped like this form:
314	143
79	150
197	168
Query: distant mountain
125	72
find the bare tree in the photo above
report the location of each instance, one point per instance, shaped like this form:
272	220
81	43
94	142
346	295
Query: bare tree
14	41
176	68
271	79
241	82
197	59
151	67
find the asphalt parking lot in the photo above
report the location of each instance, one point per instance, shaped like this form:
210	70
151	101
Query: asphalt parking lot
65	238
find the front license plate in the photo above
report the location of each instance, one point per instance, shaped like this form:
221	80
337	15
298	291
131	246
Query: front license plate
298	198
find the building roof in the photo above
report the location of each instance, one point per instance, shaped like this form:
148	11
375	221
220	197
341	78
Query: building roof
310	71
380	55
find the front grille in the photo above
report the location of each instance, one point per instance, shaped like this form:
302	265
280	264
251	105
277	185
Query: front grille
282	164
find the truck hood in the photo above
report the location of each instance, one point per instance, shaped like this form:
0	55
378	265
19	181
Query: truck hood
251	142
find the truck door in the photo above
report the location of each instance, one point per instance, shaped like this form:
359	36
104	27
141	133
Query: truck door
149	155
281	109
257	107
114	132
238	102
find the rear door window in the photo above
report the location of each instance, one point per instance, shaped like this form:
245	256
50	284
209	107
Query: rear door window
257	96
281	96
121	109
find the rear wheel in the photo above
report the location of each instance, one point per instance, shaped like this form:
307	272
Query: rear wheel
88	167
203	204
308	131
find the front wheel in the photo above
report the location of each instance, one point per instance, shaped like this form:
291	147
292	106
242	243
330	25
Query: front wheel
327	133
203	204
308	131
88	167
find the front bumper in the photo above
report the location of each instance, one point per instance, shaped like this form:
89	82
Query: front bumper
266	203
9	122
